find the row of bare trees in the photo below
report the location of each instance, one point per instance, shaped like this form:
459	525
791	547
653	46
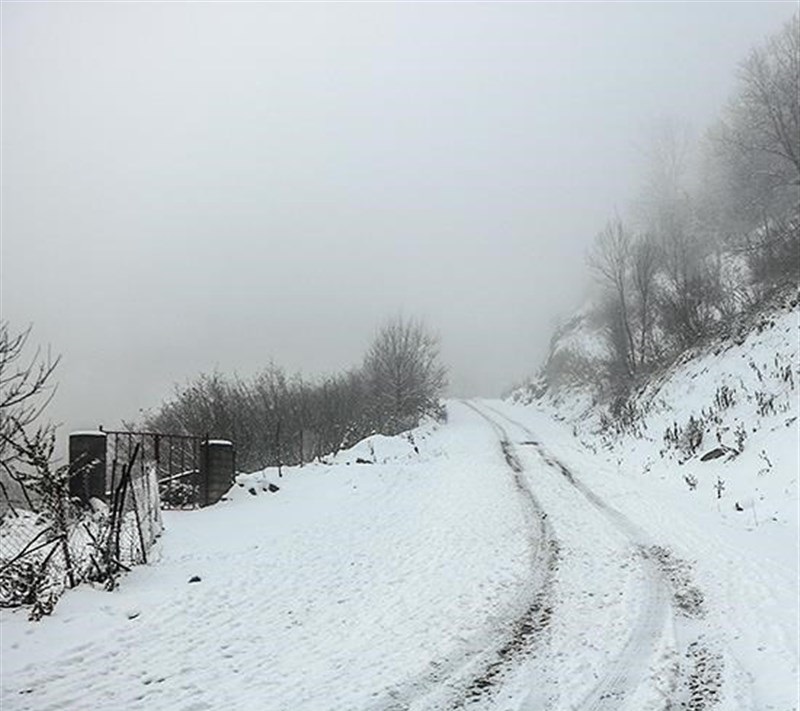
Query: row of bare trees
277	419
716	229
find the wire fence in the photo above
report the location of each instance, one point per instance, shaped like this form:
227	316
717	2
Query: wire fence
49	542
176	460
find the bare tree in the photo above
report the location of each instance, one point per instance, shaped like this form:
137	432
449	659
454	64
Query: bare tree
755	149
645	263
26	389
610	260
663	208
682	241
403	374
765	114
619	371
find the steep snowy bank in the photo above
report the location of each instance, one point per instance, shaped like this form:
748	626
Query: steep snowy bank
721	423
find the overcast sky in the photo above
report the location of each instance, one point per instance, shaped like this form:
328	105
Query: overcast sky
197	185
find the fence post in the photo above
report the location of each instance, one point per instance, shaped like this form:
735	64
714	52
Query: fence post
87	466
216	474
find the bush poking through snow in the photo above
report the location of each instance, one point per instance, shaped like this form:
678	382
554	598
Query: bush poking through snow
768	464
686	439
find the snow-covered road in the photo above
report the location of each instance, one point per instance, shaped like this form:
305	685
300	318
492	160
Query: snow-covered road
726	599
611	561
487	563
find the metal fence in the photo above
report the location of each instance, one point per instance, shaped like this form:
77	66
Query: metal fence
49	541
177	462
100	515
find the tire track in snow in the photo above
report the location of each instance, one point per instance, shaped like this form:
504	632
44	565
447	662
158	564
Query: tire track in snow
531	627
472	676
631	663
702	678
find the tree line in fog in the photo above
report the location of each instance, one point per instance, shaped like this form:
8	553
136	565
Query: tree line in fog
714	232
278	419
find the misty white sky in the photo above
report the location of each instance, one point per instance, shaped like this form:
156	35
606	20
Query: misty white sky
196	185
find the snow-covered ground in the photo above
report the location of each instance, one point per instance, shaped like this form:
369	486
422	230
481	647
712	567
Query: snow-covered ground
494	562
352	586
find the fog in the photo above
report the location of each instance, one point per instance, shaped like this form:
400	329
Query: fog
190	186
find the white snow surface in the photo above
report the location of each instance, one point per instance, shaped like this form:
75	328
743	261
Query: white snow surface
327	594
747	573
494	562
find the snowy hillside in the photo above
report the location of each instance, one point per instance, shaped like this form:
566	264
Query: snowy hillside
721	424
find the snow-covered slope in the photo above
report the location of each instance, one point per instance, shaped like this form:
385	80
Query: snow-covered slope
720	425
